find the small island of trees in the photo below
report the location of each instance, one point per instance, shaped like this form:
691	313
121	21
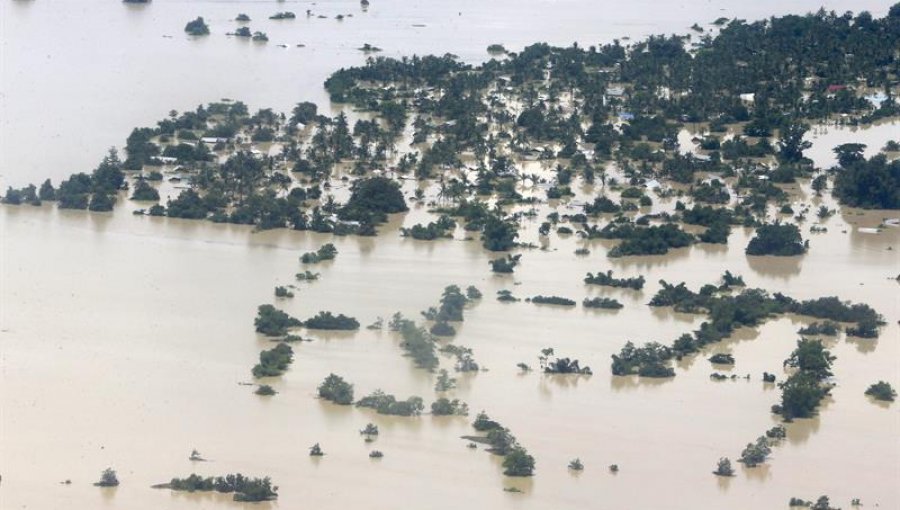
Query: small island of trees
244	488
197	27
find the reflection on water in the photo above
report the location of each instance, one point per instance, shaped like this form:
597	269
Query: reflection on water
782	268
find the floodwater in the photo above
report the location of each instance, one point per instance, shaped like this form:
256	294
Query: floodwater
124	340
76	77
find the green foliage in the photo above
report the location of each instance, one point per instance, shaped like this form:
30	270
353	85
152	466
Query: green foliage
188	205
506	296
417	342
384	403
722	359
563	366
451	308
271	321
882	391
811	356
652	240
325	252
244	488
444	382
498	234
800	395
756	453
265	390
274	362
607	279
506	264
108	478
731	280
483	423
778	239
197	27
723	468
335	389
447	407
283	15
552	300
647	361
329	321
576	465
433	230
372	199
601	302
518	463
283	292
144	192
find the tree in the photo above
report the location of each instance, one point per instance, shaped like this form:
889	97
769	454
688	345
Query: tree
783	240
870	184
882	391
849	153
812	357
335	389
372	200
756	453
498	235
791	144
108	478
304	113
800	395
518	463
271	321
197	27
724	468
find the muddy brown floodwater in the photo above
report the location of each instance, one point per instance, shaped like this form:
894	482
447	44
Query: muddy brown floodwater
123	339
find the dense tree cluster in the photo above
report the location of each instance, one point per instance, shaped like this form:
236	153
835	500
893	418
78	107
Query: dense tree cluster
244	488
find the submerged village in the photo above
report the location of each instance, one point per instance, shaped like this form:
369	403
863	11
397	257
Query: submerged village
632	148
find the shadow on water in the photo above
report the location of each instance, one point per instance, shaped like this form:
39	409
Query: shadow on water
632	382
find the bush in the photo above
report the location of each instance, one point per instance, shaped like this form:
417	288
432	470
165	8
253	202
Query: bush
433	230
244	488
335	389
603	303
724	468
384	403
265	390
328	321
483	423
647	361
108	478
552	300
283	292
144	192
325	252
606	279
417	342
756	453
271	321
882	391
722	359
505	264
197	27
447	407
